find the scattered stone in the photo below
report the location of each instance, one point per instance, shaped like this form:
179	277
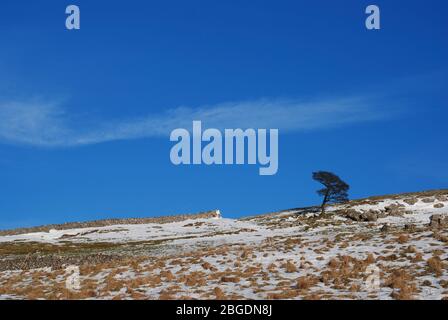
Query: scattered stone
438	221
367	216
442	198
428	200
395	210
410	201
352	214
370	216
427	283
385	228
439	205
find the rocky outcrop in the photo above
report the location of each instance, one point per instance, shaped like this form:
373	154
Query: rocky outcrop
442	197
410	201
438	221
367	216
395	210
352	214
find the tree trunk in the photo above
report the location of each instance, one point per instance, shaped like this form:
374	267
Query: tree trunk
324	202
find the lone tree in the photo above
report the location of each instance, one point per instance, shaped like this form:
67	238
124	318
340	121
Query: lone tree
335	189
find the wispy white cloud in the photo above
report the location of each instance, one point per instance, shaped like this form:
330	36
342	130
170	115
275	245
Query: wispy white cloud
49	125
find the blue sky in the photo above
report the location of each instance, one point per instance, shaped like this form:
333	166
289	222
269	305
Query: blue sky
85	115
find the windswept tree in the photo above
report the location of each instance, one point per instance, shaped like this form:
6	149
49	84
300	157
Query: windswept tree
335	190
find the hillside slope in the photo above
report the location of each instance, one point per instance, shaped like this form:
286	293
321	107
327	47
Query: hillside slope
389	247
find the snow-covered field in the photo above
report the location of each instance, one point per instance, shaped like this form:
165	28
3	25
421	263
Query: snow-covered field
296	254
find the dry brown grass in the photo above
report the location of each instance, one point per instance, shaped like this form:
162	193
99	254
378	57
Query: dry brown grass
334	263
135	295
306	282
401	281
402	238
418	257
370	259
290	267
167	274
343	272
112	285
230	279
355	287
410	249
283	295
435	265
404	293
219	294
